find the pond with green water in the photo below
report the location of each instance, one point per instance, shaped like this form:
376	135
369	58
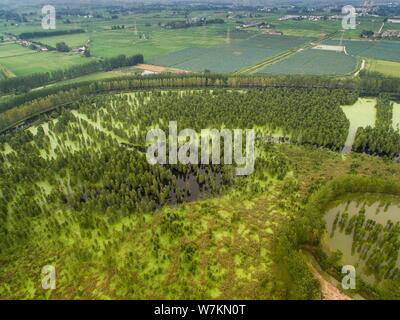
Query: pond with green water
367	233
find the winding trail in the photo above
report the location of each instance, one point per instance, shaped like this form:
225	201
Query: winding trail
362	67
328	290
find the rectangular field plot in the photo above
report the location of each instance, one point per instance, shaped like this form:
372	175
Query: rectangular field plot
230	57
181	56
72	40
40	62
13	50
153	42
389	68
313	61
378	49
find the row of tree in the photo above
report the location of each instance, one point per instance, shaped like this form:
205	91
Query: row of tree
26	83
37	101
43	34
368	85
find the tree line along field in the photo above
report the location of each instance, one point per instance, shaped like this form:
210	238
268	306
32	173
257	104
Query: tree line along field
41	62
22	61
95	208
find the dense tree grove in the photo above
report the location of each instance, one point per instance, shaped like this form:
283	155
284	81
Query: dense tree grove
383	139
28	107
184	81
296	112
96	152
62	47
25	83
308	117
373	83
77	173
73	93
42	34
95	170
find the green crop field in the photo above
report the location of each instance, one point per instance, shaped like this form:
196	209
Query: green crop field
40	62
153	42
389	68
312	61
218	47
307	28
377	49
73	40
13	50
232	56
175	58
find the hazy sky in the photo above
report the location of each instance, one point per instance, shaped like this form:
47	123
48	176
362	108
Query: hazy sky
15	2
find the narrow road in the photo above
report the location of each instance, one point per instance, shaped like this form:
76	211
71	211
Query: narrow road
380	30
362	67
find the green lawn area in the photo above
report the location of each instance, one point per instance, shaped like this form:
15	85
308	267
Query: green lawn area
40	62
389	68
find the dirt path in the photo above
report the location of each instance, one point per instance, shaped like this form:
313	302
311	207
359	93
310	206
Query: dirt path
328	290
363	63
160	69
380	30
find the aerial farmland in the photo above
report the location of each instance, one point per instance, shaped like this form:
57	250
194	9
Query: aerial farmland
199	151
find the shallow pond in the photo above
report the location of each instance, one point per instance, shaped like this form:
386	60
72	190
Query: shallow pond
360	114
376	217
